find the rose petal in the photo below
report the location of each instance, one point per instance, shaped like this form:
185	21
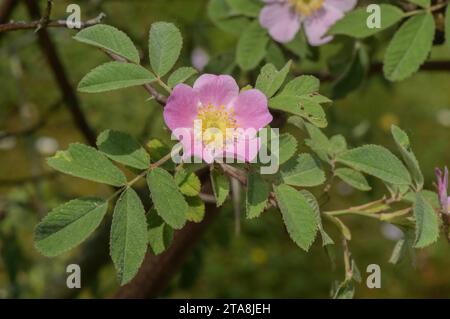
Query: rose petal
342	5
251	110
244	150
281	21
181	108
216	90
194	148
317	25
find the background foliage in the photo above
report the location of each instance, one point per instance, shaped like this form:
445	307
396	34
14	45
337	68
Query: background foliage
260	262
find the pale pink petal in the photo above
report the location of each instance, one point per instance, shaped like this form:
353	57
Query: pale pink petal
245	149
194	148
318	24
216	90
251	110
342	5
181	108
281	21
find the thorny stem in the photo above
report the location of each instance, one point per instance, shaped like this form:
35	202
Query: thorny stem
359	208
143	174
164	85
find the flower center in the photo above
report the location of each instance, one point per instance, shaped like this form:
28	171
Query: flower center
215	121
306	7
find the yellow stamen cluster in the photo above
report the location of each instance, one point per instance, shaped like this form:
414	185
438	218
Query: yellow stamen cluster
215	121
306	7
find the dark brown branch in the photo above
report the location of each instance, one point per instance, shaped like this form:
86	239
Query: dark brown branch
160	98
59	73
156	271
38	24
6	9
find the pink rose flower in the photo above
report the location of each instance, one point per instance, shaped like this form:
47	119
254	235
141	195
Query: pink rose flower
442	179
284	18
213	120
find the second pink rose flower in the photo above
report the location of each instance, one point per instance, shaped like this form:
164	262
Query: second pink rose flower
284	18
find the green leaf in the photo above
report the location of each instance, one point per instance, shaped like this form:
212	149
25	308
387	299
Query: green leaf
376	161
427	225
251	47
257	195
299	217
159	233
287	147
404	248
123	148
305	107
114	75
221	187
338	144
326	239
303	171
86	162
128	241
354	24
409	48
188	182
158	150
421	3
354	75
68	225
196	211
180	76
270	79
221	15
345	231
168	201
403	144
302	85
429	196
346	290
165	43
353	178
275	55
248	8
300	47
318	142
109	38
301	97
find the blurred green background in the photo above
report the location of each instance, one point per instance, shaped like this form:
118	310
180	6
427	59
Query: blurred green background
260	262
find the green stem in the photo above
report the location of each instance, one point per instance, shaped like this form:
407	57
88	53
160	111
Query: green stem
143	174
164	85
358	209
